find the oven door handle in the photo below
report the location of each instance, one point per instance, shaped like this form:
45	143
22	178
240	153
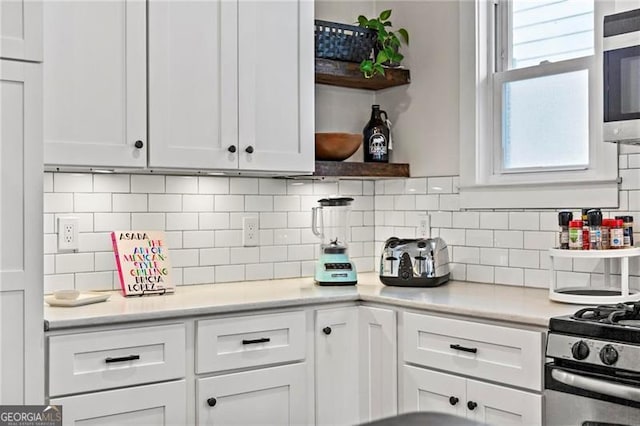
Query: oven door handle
596	385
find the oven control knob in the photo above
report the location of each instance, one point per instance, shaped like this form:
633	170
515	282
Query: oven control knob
580	350
608	355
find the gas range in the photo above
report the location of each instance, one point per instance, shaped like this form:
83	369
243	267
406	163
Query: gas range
607	336
594	371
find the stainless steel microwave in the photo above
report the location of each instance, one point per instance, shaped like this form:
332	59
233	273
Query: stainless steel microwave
622	77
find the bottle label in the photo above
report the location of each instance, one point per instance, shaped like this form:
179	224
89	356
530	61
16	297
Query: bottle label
575	238
377	145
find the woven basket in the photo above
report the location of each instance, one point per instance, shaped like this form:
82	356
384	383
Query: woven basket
343	42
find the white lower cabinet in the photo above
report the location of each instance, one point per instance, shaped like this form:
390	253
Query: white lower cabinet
157	404
427	390
268	396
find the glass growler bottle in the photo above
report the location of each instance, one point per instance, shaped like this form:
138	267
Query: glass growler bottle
376	137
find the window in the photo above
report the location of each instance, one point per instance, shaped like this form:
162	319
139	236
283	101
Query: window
531	79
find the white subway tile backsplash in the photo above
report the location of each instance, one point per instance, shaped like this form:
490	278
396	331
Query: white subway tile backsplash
509	276
350	187
480	273
441	219
524	221
229	273
74	262
326	188
181	184
273	254
368	188
105	261
428	202
450	202
59	282
494	256
299	219
363	203
266	236
466	219
229	203
479	238
197	239
415	186
259	271
147	184
98	202
272	186
404	202
286	270
184	257
72	182
165	203
130	202
539	240
50	243
47	182
440	185
494	220
197	203
242	255
536	278
182	221
259	203
394	187
57	203
95	242
286	203
300	252
49	264
214	220
524	258
48	223
299	187
148	221
453	237
90	281
273	220
630	179
508	239
244	186
213	185
215	256
103	222
285	236
463	254
384	202
110	183
198	275
228	238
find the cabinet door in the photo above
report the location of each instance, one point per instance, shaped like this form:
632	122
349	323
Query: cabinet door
276	85
378	375
426	390
498	405
193	84
269	396
21	30
337	366
95	83
21	313
159	404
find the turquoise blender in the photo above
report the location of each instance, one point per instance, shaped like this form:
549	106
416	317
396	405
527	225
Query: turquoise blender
330	222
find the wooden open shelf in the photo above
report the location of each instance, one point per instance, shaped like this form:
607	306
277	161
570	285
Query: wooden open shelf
361	170
347	74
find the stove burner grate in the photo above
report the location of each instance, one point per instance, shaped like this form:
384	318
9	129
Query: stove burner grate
609	314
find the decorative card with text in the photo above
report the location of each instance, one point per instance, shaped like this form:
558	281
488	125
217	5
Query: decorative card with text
142	258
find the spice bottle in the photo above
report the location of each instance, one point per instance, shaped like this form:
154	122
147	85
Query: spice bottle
604	229
595	229
585	230
627	230
575	235
563	221
376	137
617	234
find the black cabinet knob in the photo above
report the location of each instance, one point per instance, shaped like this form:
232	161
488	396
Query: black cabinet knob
326	330
453	400
138	144
231	149
212	402
249	149
471	405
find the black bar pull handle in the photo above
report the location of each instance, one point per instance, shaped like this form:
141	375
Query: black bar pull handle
463	349
251	342
122	359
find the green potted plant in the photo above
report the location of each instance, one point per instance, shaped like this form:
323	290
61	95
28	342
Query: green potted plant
388	44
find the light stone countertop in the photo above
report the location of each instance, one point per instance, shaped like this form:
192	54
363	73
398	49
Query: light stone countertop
520	305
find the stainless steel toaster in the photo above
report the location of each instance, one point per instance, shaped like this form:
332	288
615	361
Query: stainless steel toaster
414	262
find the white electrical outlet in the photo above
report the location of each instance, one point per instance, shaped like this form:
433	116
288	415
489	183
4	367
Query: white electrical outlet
68	233
424	225
250	231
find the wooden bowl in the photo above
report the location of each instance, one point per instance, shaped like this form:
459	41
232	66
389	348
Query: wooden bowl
336	146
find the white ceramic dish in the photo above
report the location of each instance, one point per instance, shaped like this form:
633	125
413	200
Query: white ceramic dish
83	299
66	294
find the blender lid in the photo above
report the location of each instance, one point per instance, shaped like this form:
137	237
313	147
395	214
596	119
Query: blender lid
334	250
338	201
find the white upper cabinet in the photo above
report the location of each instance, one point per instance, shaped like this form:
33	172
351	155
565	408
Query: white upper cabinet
95	83
231	85
276	85
21	30
193	84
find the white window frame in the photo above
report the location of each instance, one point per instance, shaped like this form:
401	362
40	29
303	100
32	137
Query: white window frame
482	182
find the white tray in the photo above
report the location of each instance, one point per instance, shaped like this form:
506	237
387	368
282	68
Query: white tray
83	299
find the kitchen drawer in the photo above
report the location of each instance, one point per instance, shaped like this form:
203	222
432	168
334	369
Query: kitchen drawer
115	358
501	354
241	342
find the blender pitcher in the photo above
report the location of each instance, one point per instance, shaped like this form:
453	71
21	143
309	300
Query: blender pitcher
330	222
